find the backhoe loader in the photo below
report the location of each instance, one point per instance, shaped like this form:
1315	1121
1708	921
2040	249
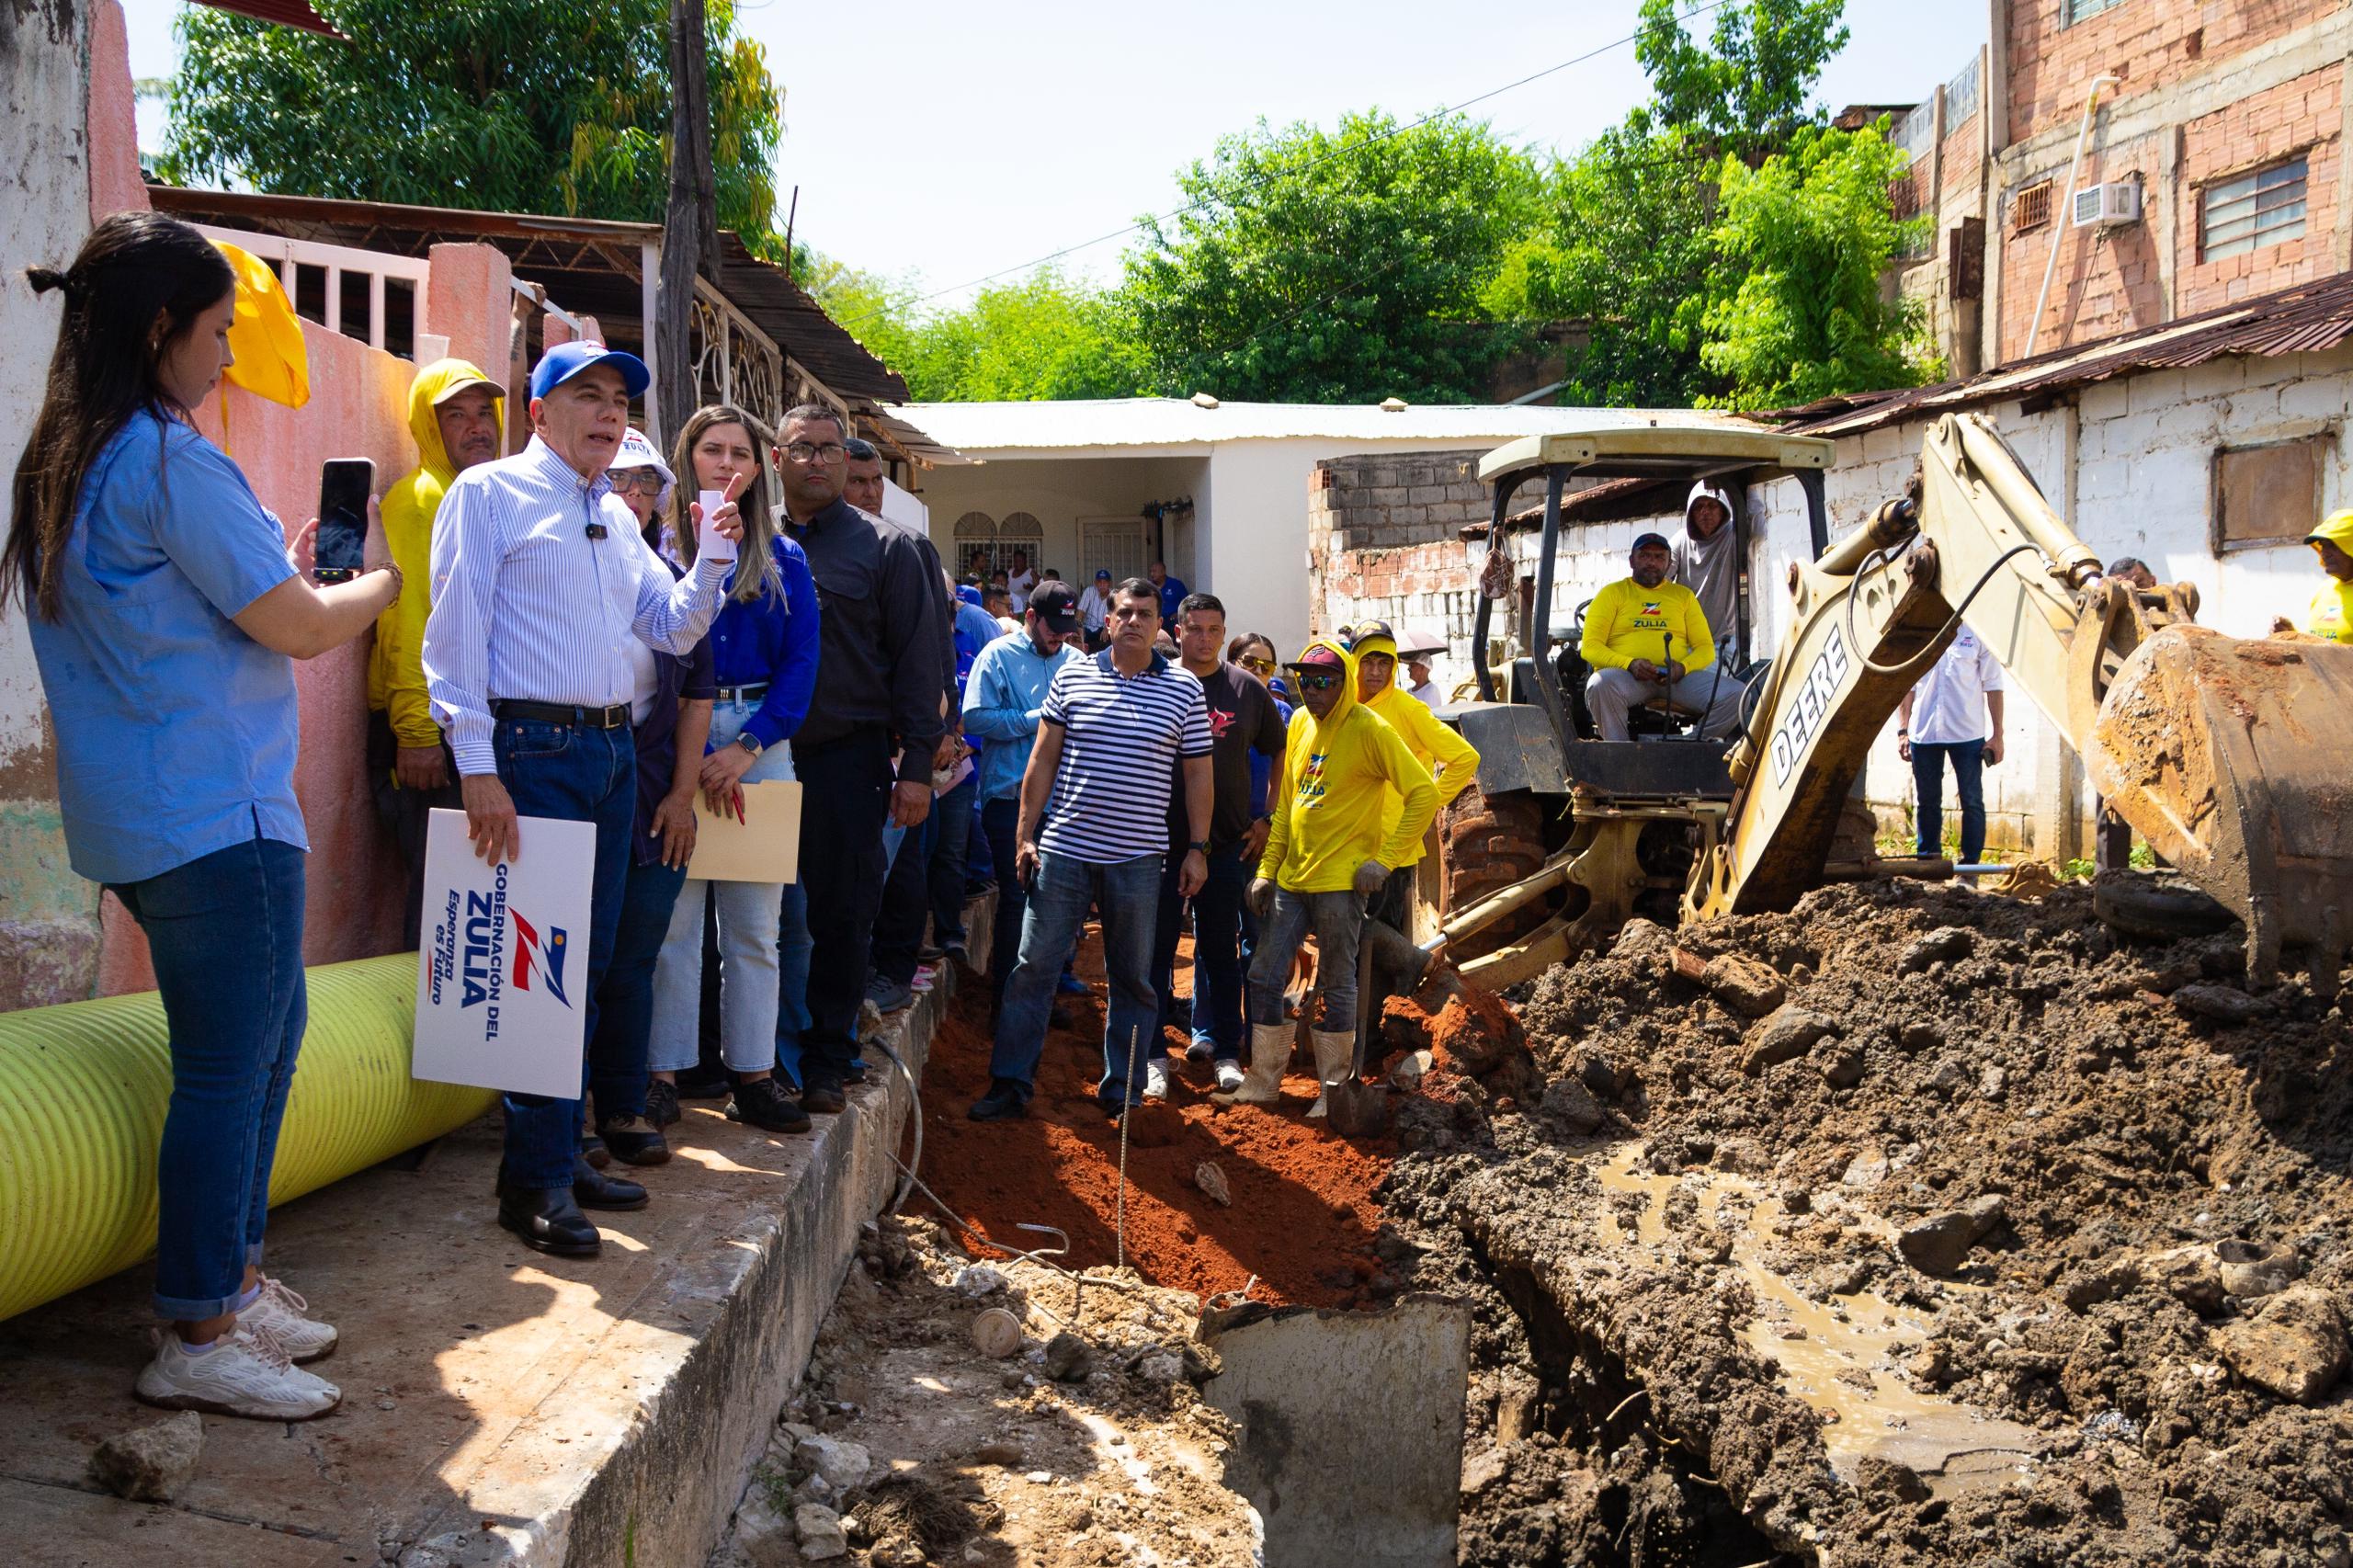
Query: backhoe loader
2232	758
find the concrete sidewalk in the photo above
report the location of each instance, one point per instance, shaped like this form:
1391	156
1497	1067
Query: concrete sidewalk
499	1406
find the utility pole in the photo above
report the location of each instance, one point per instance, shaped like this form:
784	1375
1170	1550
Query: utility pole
690	223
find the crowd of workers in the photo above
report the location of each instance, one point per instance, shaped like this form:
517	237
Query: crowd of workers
560	633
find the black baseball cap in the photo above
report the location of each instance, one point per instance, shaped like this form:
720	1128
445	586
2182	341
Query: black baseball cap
1056	605
1645	542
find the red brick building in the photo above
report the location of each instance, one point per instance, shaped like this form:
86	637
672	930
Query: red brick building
2214	169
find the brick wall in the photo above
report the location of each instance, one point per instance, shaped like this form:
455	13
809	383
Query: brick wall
2303	115
2150	43
2107	281
1385	531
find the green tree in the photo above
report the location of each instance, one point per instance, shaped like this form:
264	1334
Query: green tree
1751	89
1044	336
1332	266
1812	233
470	103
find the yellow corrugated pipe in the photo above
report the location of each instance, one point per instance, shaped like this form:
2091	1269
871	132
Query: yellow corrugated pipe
84	1086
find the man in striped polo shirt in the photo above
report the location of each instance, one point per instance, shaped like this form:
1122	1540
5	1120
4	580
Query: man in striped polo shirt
1113	733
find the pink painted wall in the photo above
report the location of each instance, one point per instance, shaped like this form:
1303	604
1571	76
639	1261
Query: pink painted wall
358	408
115	186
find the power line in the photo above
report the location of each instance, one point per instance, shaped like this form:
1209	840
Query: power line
1350	149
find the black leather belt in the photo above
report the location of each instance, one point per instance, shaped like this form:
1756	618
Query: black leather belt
751	693
613	717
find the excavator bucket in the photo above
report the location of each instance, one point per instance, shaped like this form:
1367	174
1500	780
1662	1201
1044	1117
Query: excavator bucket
2234	758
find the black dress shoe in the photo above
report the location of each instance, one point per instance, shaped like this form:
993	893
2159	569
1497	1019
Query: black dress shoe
548	1221
1002	1103
762	1103
634	1141
661	1102
823	1099
592	1189
593	1150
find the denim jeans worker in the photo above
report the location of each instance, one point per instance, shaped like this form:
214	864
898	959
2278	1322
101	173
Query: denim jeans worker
1115	730
541	578
1335	920
1063	890
1955	710
164	610
1004	695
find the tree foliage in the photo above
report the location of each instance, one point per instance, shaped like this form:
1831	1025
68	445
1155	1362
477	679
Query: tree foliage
1331	267
1751	88
470	103
1045	335
1813	232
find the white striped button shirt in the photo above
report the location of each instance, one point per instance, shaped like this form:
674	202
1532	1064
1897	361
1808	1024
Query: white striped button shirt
528	608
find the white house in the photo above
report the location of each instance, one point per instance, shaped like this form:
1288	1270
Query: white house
1218	491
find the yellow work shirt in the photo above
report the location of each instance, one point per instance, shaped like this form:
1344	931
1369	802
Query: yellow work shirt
1626	621
2330	614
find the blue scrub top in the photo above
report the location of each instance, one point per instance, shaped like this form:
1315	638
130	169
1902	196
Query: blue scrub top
176	732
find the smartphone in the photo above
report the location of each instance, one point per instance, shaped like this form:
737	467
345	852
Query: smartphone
344	485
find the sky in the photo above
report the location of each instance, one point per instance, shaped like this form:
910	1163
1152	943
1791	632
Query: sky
943	142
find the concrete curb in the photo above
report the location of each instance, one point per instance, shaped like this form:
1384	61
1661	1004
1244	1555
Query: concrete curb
682	1397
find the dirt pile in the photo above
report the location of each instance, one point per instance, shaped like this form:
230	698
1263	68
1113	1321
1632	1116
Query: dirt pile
1914	1226
1084	1445
1297	1209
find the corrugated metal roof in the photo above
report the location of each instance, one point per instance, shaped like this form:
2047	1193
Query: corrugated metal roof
2301	320
990	427
285	13
539	242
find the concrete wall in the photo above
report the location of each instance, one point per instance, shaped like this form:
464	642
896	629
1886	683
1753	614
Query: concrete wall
1385	534
49	931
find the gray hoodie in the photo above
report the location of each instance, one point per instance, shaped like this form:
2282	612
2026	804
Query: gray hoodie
1711	568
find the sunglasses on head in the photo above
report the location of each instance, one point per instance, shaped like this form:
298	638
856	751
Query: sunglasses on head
1316	682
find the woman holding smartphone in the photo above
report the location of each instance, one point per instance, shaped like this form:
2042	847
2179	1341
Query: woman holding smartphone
166	611
764	650
670	714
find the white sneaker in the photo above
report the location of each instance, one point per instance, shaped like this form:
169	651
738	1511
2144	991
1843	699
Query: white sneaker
1229	1076
249	1373
1155	1080
286	1317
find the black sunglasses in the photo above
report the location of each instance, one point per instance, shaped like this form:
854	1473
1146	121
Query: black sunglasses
1316	682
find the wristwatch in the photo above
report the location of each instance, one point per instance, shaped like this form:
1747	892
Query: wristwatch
750	743
1199	845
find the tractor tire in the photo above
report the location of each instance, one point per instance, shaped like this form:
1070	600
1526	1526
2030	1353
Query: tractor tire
1488	843
2157	905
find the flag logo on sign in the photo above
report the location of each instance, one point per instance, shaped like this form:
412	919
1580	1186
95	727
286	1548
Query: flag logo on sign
547	956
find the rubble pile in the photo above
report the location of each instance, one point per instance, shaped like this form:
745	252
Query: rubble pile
1916	1225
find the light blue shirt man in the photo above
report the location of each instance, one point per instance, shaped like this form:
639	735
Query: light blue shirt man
1002	699
176	731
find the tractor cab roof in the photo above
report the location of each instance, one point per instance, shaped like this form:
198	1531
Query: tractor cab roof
1681	443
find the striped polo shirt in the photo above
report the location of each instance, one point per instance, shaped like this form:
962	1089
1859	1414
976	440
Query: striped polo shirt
1122	739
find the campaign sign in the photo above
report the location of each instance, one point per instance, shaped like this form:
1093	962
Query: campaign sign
501	983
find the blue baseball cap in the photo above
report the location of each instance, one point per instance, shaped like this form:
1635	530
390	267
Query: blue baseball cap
566	361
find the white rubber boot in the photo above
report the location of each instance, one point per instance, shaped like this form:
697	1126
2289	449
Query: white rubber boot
1263	1084
1336	1054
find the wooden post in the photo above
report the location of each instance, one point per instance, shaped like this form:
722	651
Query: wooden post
690	223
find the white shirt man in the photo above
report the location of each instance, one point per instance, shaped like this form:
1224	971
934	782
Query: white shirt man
1019	581
1955	711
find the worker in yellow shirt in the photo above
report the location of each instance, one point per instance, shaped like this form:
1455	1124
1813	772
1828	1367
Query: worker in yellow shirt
455	417
1330	844
2330	615
1646	638
1452	761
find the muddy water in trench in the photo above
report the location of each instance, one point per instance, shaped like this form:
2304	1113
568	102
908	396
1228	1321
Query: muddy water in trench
1837	1356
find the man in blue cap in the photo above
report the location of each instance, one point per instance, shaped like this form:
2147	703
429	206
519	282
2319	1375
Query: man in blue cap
541	581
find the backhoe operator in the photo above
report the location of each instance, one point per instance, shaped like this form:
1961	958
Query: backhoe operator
1646	638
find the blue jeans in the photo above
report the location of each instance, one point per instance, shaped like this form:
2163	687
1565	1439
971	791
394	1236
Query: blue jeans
1969	781
1338	921
794	946
618	1054
950	851
576	774
224	933
998	821
1167	927
1217	955
750	947
1127	892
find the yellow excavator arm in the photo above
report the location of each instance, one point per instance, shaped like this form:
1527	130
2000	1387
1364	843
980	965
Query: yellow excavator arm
2229	755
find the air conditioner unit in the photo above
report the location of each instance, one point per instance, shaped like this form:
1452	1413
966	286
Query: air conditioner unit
2099	206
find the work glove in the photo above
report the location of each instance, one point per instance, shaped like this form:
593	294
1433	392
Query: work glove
1370	876
1261	897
